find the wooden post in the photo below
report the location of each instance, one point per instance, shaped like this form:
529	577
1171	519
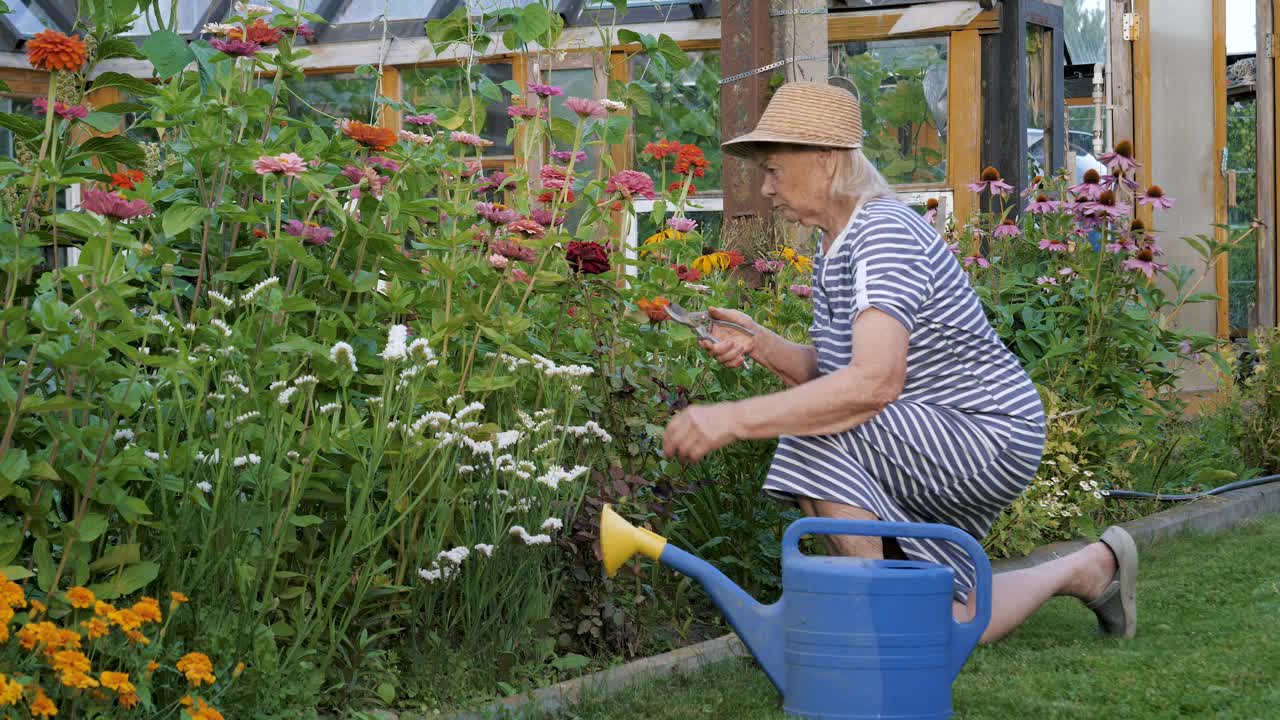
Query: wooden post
1266	168
801	28
389	87
745	45
964	125
1004	96
1119	75
1223	286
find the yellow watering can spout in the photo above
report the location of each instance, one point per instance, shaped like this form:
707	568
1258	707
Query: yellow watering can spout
619	540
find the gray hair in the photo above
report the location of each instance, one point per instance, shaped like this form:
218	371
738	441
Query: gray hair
857	178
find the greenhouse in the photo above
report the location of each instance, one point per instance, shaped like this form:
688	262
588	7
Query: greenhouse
504	358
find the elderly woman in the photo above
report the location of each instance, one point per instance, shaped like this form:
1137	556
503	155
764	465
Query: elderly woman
907	407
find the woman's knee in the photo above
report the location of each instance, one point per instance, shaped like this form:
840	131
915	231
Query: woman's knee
849	545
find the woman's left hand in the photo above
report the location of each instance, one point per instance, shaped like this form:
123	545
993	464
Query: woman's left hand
698	429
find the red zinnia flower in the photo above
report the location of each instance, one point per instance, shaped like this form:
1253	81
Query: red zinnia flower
691	160
661	149
656	308
588	258
370	136
127	180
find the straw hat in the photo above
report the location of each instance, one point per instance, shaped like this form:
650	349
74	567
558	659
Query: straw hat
805	113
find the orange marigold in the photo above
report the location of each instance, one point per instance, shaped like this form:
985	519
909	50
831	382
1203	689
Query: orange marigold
96	628
81	597
65	661
36	633
136	637
129	700
52	50
11	593
202	711
126	619
370	136
152	666
117	681
42	706
78	680
197	667
148	608
10	691
175	599
38	608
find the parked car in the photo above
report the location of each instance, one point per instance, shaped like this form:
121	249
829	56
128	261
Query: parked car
1081	143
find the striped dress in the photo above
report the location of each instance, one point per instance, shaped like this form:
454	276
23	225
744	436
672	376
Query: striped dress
965	436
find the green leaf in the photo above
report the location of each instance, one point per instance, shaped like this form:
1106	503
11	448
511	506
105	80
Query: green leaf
118	148
304	520
16	572
102	121
563	131
118	47
615	129
182	216
572	661
626	37
43	555
23	126
140	88
127	581
387	692
92	525
81	223
168	52
676	57
121	108
14	465
117	556
132	508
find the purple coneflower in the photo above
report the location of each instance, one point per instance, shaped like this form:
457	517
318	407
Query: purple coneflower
1155	197
976	259
991	181
1007	229
1054	245
1121	158
1042	204
1144	261
1090	187
1046	280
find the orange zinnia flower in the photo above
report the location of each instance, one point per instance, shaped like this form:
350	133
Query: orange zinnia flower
656	308
52	50
127	180
370	136
80	597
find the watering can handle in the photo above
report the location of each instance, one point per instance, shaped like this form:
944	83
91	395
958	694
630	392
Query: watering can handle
967	634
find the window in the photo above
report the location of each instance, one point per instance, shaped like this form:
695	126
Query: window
683	105
708	212
1084	25
19	106
371	10
1043	129
190	13
481	109
323	98
902	85
28	20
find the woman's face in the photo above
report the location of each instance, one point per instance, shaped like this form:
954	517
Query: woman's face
798	183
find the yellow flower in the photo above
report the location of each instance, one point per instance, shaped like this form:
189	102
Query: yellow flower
239	668
42	706
126	619
176	599
81	597
79	680
103	609
796	260
710	261
152	666
202	711
10	691
96	628
38	608
148	608
66	661
11	593
117	681
197	667
136	637
35	633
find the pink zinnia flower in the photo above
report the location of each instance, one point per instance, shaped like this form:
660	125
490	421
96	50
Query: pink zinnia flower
498	262
428	119
496	214
553	178
520	276
542	216
311	233
236	48
287	164
681	225
113	205
931	215
803	291
976	259
1155	197
414	138
544	91
528	228
1054	245
384	163
629	184
1008	228
496	180
471	139
513	250
585	107
61	109
564	155
768	267
471	167
527	112
1046	280
990	181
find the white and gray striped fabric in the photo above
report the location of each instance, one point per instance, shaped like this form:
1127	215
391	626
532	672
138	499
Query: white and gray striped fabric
965	436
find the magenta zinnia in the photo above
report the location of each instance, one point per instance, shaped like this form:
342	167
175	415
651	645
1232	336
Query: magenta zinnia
113	205
236	48
311	233
630	184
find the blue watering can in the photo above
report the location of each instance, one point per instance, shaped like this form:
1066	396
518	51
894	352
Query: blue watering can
850	638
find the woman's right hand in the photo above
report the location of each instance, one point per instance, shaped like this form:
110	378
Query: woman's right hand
732	348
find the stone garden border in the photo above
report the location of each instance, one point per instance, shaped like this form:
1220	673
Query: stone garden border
1212	514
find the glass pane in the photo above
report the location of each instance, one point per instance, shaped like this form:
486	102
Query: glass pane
480	7
685	107
443	91
342	96
1242	160
1041	125
190	12
370	10
1242	22
1080	140
903	88
1084	23
28	20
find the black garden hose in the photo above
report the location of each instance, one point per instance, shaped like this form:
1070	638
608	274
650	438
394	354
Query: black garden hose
1238	485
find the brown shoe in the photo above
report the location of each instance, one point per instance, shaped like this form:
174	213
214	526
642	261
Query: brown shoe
1117	606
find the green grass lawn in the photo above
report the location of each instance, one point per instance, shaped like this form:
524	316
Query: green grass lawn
1208	646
